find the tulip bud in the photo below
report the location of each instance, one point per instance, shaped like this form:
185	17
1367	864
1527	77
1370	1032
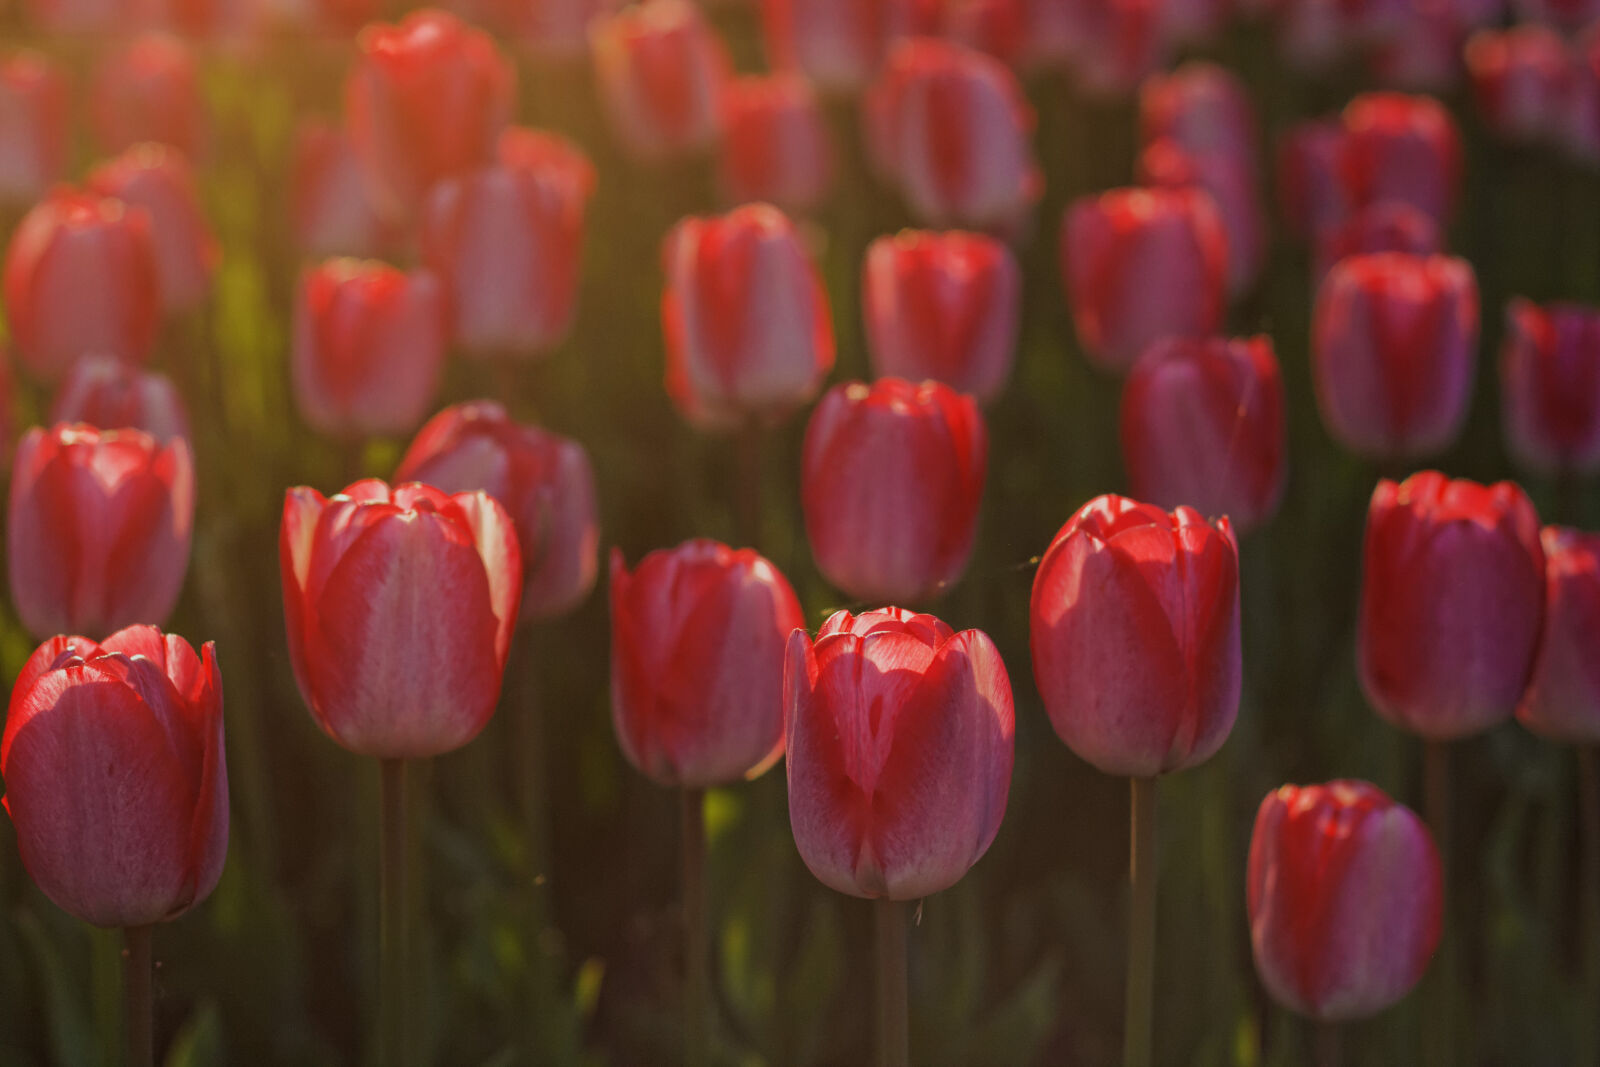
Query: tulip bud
697	654
839	44
505	241
1203	108
1404	148
1310	187
1345	896
1387	226
1550	386
891	478
108	393
1135	636
34	124
746	318
661	70
1394	340
995	27
558	29
1231	184
72	17
332	211
1570	14
900	747
148	90
158	179
80	278
543	480
1140	265
400	604
369	346
426	98
775	143
98	529
1122	42
1203	425
1451	600
116	780
1522	81
944	306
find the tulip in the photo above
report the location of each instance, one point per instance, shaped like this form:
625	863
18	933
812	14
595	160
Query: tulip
400	605
148	90
88	17
33	126
115	775
1562	701
1345	897
1050	36
159	180
944	306
900	747
1204	108
1522	80
369	344
1394	340
543	480
1122	42
426	99
775	143
839	44
1571	14
1580	127
1203	425
746	318
661	70
1231	184
891	478
1387	226
559	29
108	393
1313	195
332	213
81	277
1420	50
1550	386
1404	148
98	528
996	27
505	242
1140	265
1452	596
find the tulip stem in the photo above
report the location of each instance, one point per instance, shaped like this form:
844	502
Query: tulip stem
894	1022
140	1003
752	445
1138	1037
1329	1042
1440	1031
394	964
697	978
1589	896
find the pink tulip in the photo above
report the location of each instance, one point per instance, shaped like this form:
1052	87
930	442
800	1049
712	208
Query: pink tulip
159	180
1550	386
775	143
33	126
661	70
1522	79
1562	701
108	393
1233	190
148	90
333	213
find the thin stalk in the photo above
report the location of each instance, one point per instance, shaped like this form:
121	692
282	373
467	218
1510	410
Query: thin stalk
1439	1046
394	963
751	464
1138	1038
139	1006
1329	1042
894	1014
696	958
1589	898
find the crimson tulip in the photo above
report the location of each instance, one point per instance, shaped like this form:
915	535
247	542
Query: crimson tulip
1203	108
33	125
661	70
1562	701
1522	80
1231	184
333	213
108	393
1550	386
158	179
775	144
1401	147
148	90
1310	188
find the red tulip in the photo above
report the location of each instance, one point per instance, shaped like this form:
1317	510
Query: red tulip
543	480
427	98
1203	425
108	393
900	747
1231	185
558	28
1387	226
1522	80
159	180
505	241
332	211
775	143
697	651
1140	265
1404	148
98	528
1346	900
996	27
80	278
33	126
1204	108
369	345
400	606
839	44
1121	42
148	90
1313	194
944	306
661	70
1562	701
1394	340
1451	602
746	318
891	479
1550	386
1135	636
116	780
1572	14
68	17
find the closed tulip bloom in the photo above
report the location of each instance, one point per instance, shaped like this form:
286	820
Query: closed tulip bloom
901	742
775	144
943	306
1204	108
68	17
426	98
108	393
544	481
1387	226
1346	899
1394	341
996	27
148	90
116	780
1580	128
81	277
558	29
891	478
368	348
98	528
838	44
1122	42
332	210
1203	425
661	70
1310	186
506	242
34	124
158	179
1550	386
1562	701
1522	80
746	318
1140	265
400	604
1571	14
1451	601
1231	184
697	653
1400	147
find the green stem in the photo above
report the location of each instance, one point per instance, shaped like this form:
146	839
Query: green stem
751	448
1138	1039
394	964
1589	897
697	977
140	1003
1329	1042
1440	1033
894	1022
